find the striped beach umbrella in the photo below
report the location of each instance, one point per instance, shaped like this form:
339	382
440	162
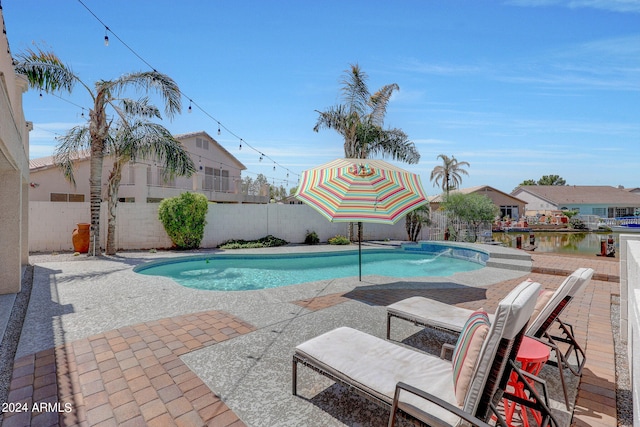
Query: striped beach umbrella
361	190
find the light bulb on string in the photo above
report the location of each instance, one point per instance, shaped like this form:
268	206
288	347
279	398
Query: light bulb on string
218	128
240	147
106	37
274	166
82	115
260	157
40	95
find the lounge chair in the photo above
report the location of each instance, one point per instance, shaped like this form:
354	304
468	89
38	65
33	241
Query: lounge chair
434	314
422	385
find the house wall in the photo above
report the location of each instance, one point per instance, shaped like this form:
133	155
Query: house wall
630	311
138	226
534	203
14	174
140	180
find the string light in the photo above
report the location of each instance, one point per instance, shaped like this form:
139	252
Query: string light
106	36
240	148
220	125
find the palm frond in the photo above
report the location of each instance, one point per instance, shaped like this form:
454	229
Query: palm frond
152	141
355	91
71	146
141	107
45	71
379	101
395	144
152	80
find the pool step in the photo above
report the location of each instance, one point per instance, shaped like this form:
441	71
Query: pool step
513	263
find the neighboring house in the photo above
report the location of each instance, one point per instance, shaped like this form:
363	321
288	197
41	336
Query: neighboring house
218	177
14	173
510	206
601	200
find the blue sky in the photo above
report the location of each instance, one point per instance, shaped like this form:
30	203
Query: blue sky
519	89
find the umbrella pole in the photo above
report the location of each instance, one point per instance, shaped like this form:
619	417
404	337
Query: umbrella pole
360	251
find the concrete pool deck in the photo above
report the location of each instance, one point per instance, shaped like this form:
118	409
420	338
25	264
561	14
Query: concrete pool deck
126	349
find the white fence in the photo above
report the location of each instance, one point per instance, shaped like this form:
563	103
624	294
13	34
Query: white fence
138	227
630	312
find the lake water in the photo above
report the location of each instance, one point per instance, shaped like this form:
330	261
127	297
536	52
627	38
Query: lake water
560	242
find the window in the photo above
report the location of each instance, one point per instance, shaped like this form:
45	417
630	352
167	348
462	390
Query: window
64	197
601	212
207	184
131	179
221	180
161	181
202	143
510	211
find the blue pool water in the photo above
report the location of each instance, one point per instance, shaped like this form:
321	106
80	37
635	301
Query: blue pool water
231	272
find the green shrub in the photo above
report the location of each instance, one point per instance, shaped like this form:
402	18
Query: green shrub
577	224
311	238
184	218
268	241
339	240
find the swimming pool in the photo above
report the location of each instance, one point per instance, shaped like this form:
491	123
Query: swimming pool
237	272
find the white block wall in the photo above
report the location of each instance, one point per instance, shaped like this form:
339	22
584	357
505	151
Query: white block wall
630	312
138	227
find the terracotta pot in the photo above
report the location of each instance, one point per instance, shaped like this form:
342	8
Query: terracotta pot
81	237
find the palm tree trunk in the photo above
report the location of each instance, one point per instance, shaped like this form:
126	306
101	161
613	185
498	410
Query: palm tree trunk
98	129
112	203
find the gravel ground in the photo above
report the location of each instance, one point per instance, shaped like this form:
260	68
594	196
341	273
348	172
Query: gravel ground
14	328
624	397
12	334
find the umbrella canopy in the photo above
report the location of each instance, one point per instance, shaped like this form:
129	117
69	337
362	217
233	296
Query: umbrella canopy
361	190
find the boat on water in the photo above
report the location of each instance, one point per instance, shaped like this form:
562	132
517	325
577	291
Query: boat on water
626	228
626	224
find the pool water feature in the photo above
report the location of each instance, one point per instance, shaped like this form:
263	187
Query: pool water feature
236	272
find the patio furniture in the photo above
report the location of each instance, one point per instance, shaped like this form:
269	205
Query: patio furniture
438	315
424	386
532	356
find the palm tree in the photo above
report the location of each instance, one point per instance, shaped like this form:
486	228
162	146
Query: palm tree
46	72
448	175
360	119
126	142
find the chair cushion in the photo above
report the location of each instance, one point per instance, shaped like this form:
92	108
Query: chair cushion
465	354
513	312
541	302
573	284
432	313
376	366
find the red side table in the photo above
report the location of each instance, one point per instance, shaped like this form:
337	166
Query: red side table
532	356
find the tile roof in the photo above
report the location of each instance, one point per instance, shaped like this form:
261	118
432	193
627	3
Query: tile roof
582	194
48	162
469	190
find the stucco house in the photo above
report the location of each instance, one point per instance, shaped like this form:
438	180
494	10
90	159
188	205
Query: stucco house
510	206
14	173
601	200
218	177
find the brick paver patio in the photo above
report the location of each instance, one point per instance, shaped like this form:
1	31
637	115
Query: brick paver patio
133	376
